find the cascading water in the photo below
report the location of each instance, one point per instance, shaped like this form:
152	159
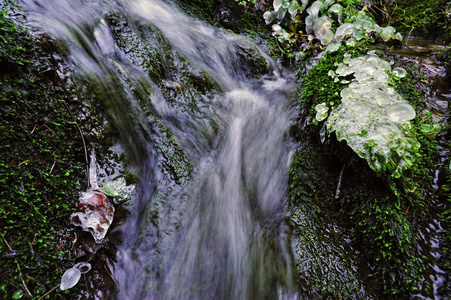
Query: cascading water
221	234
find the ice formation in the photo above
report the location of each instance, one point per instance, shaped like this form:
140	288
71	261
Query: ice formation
344	30
84	267
400	112
321	112
293	8
372	116
336	9
118	189
277	4
399	72
322	30
321	15
94	214
387	33
70	278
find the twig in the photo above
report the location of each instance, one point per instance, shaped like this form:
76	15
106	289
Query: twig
48	292
84	143
33	129
62	243
51	169
50	129
24	162
112	278
337	192
9	247
20	271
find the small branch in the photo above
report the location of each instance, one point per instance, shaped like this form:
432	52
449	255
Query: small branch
9	247
33	129
48	292
24	162
84	143
337	192
20	271
50	129
51	169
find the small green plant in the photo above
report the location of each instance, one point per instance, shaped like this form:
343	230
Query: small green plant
326	21
246	2
429	19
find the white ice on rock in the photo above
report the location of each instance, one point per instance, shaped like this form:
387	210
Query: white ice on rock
372	116
70	278
94	214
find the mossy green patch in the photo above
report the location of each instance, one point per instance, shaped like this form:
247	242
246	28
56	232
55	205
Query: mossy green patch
428	19
41	167
338	190
380	215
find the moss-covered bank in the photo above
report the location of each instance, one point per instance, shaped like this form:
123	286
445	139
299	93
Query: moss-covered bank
380	221
426	19
41	164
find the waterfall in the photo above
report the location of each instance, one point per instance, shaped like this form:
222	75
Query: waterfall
220	234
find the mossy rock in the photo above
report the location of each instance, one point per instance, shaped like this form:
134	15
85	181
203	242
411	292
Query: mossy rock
41	165
338	201
379	216
426	19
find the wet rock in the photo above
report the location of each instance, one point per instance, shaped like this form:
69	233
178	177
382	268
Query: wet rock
251	58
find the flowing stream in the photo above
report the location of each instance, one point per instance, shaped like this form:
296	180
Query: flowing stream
203	118
219	233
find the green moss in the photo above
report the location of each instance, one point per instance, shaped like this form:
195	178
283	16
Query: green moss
40	165
381	228
379	213
318	86
181	84
202	9
428	19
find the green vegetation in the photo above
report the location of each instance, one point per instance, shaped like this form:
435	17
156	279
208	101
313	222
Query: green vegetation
298	26
41	167
376	224
428	19
238	16
378	210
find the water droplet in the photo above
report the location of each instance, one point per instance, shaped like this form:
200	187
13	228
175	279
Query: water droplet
400	112
70	278
399	72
